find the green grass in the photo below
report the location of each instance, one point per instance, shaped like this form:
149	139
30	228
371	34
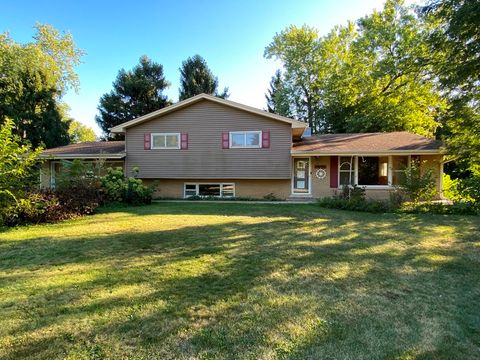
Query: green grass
259	281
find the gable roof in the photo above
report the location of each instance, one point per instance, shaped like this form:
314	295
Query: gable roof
182	104
88	150
367	143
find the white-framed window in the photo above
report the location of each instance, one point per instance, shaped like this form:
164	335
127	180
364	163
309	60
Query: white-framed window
372	171
209	189
346	170
399	165
245	139
165	140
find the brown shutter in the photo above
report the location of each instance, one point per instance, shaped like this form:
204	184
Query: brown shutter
334	171
265	139
146	141
184	141
225	140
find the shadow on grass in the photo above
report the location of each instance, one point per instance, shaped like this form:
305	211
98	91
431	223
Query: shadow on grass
295	286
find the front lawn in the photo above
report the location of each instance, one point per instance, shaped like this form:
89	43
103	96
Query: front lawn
200	280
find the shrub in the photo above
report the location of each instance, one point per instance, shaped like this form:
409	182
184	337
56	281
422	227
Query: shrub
457	208
396	198
35	208
355	193
450	188
469	190
78	187
338	202
417	184
130	190
113	184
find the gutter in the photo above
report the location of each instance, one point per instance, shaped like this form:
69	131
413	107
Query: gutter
82	156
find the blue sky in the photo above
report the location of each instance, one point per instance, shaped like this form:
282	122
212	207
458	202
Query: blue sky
230	35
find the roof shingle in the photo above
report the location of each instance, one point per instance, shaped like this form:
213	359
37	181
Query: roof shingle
367	143
88	148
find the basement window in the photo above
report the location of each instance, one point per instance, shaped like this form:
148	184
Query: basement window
209	189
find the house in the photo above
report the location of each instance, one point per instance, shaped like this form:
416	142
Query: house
208	146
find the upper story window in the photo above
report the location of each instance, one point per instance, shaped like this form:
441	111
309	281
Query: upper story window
165	140
245	139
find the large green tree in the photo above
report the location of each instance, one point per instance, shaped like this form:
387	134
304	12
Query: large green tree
370	76
135	93
454	38
80	133
277	96
196	78
34	78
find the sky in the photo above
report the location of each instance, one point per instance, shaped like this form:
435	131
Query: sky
230	35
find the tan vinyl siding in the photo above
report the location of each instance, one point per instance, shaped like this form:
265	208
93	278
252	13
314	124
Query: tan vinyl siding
205	159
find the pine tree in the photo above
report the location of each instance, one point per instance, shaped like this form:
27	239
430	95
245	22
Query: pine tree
135	93
196	78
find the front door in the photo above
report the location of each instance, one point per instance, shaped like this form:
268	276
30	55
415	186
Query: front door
301	169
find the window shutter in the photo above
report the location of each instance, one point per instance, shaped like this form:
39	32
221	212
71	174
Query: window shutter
225	140
265	139
146	141
184	141
334	171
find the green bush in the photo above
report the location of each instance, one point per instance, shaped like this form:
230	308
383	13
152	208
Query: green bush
34	208
338	202
469	190
129	190
417	184
355	194
457	208
78	187
113	185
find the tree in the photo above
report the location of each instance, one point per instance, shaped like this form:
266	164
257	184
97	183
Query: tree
35	77
454	40
17	162
80	133
196	78
372	76
277	96
297	48
135	93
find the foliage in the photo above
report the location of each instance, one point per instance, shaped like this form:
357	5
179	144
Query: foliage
418	184
135	93
78	186
130	190
196	78
454	39
365	205
34	78
364	78
457	208
277	96
34	208
450	188
298	49
17	163
353	193
469	189
79	132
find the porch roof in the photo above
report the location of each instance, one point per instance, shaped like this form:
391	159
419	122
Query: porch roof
88	150
400	142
